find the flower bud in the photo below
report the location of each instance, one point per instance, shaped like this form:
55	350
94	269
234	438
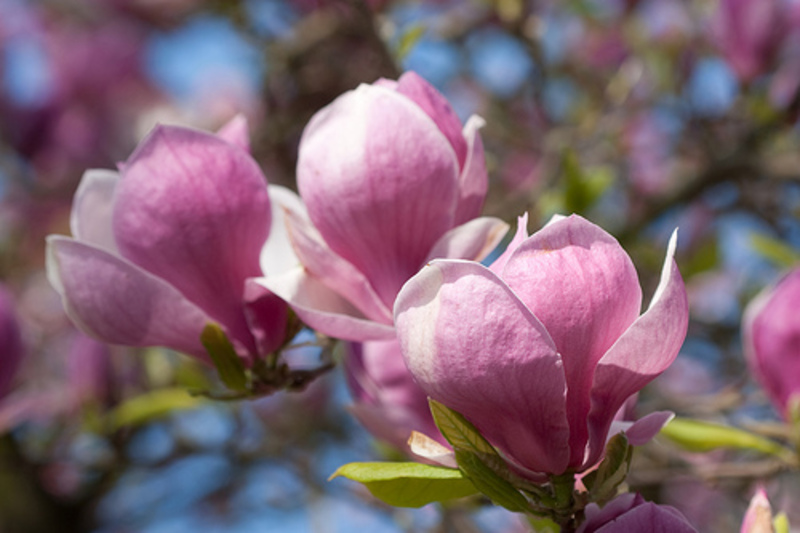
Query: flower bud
390	180
770	330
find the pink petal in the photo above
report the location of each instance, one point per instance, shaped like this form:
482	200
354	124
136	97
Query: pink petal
770	328
277	255
376	372
758	518
474	240
329	268
652	518
645	350
377	375
583	287
267	316
474	346
499	264
429	450
643	430
323	309
597	517
380	182
629	513
194	210
90	220
115	301
236	132
388	424
386	83
474	178
436	106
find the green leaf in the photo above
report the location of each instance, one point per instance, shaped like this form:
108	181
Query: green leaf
484	466
699	436
153	404
458	431
226	360
408	484
582	187
408	40
543	525
776	251
704	258
500	491
603	482
781	523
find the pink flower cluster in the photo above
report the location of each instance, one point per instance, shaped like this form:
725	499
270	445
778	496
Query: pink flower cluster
539	350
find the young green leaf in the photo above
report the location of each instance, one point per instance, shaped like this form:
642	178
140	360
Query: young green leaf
408	40
153	404
500	491
582	187
408	484
603	482
458	431
699	436
225	359
543	525
776	251
781	523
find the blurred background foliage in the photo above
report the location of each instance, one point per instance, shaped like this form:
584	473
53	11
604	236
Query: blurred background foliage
641	115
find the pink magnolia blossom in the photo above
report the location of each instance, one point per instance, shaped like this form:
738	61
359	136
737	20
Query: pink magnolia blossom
90	84
770	330
541	349
390	181
748	32
169	243
11	346
388	402
758	518
630	513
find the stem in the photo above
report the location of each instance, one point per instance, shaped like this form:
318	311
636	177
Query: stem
565	511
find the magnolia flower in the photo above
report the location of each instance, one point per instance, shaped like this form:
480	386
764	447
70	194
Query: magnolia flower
11	347
387	400
390	181
758	518
168	244
540	350
630	513
770	329
748	33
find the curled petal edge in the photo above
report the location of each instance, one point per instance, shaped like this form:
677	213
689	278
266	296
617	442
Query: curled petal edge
643	430
332	270
646	349
473	181
323	309
277	254
472	241
92	207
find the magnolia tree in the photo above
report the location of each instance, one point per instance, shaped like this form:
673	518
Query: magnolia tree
650	146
